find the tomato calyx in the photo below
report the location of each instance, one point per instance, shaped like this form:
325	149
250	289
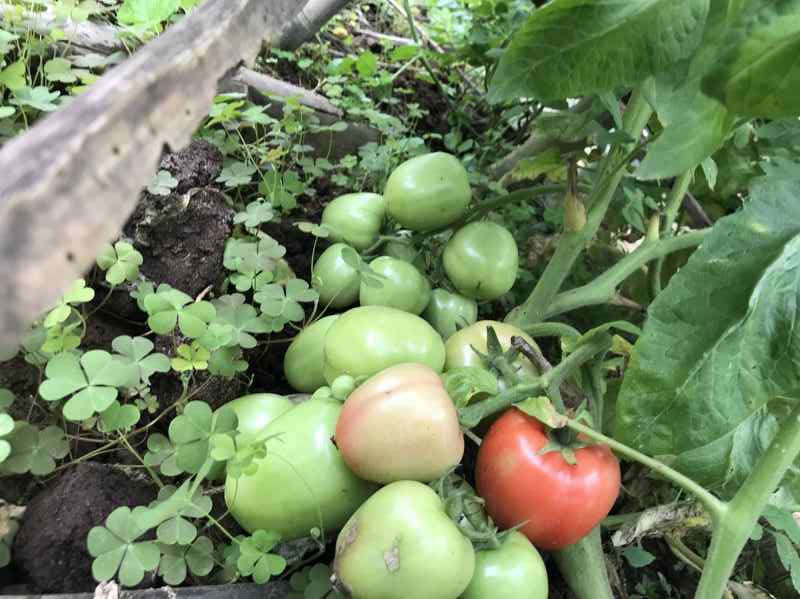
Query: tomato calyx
501	361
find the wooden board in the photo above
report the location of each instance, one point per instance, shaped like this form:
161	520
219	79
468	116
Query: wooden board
68	185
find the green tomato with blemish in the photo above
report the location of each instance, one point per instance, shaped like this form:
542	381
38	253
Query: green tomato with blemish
355	218
448	312
336	281
481	260
303	361
428	192
402	286
365	340
401	543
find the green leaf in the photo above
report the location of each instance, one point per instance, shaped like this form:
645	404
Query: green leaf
257	213
194	357
638	557
6	399
720	343
120	261
170	306
463	383
35	451
695	125
135	351
13	76
277	300
255	559
236	174
367	64
573	47
147	14
161	453
241	317
118	417
191	432
39	98
114	548
162	183
757	74
60	70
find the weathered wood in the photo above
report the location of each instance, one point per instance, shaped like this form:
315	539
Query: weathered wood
308	22
91	36
68	185
275	87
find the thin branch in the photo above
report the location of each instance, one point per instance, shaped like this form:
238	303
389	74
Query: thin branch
275	87
311	18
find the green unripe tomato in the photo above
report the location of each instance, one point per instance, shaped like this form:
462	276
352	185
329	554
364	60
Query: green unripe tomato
301	479
253	412
302	363
363	341
343	386
402	286
515	570
459	347
481	260
402	544
405	252
355	218
428	191
447	312
334	279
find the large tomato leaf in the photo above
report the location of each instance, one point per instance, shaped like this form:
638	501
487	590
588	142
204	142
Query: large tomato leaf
695	125
712	374
573	47
757	74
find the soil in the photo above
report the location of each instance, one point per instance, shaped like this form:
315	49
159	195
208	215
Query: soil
50	547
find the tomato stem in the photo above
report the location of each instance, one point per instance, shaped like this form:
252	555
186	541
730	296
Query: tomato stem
674	201
583	567
602	289
714	506
734	524
571	244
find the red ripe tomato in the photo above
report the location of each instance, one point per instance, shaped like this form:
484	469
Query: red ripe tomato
560	502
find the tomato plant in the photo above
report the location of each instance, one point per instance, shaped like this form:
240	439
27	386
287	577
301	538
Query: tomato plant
511	571
401	543
481	260
336	281
355	218
402	286
302	482
555	502
428	191
400	425
304	358
363	341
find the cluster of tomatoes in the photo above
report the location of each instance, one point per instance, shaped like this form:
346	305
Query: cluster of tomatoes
357	455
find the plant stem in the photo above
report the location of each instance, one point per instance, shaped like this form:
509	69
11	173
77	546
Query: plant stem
602	289
571	244
583	567
552	329
714	506
734	526
674	201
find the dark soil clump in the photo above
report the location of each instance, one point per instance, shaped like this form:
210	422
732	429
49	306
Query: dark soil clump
50	547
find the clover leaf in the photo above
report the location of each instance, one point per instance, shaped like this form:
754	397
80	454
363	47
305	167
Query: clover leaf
194	357
277	300
218	335
226	362
256	213
177	529
35	451
167	307
236	174
243	318
114	548
190	433
63	337
252	260
118	417
60	70
91	381
255	558
6	399
313	582
315	229
135	351
197	558
162	183
162	453
78	293
6	428
38	98
120	261
241	454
